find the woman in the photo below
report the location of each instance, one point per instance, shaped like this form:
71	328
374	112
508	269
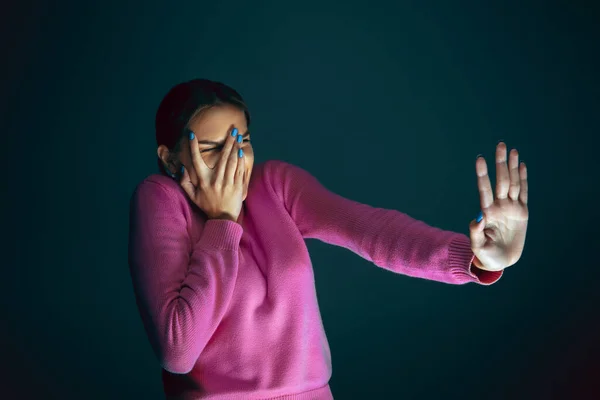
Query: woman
221	273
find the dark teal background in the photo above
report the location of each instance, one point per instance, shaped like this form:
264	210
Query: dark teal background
385	103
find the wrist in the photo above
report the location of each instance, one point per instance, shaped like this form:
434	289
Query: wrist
476	262
225	216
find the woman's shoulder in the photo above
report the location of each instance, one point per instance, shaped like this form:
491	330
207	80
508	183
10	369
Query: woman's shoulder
161	183
270	167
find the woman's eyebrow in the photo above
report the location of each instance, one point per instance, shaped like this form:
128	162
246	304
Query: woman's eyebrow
221	142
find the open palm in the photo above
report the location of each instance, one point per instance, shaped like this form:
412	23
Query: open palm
499	238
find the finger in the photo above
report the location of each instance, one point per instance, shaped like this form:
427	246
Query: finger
240	173
233	163
200	169
523	194
476	233
226	169
513	167
502	178
486	196
186	183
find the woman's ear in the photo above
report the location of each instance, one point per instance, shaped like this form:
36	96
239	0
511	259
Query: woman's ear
163	153
166	157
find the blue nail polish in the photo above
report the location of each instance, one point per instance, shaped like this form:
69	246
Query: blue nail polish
241	153
240	138
191	135
234	132
182	169
479	216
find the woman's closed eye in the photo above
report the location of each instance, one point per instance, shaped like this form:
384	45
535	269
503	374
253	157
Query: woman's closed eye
218	148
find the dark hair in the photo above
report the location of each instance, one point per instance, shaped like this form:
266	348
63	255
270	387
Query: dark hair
183	102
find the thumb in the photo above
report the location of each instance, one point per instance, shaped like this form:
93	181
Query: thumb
186	183
476	231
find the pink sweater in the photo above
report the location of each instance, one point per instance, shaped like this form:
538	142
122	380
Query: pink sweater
230	309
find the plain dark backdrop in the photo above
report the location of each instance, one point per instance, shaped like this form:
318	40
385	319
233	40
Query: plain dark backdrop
386	103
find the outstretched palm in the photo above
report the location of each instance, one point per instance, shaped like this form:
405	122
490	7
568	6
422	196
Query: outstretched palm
498	240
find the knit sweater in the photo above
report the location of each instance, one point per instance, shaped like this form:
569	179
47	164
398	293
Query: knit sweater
230	308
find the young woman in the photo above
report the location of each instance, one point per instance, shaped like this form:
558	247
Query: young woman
221	273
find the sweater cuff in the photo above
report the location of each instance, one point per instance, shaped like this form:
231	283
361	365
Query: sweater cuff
220	234
460	258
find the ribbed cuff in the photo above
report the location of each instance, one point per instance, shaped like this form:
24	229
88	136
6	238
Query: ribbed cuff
460	258
220	234
486	277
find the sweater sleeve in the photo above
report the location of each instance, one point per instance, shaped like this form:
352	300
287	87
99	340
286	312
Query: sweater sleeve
388	238
182	289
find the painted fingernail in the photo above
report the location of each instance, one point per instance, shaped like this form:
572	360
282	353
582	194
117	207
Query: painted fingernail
240	138
191	135
240	153
234	132
182	169
479	216
478	155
